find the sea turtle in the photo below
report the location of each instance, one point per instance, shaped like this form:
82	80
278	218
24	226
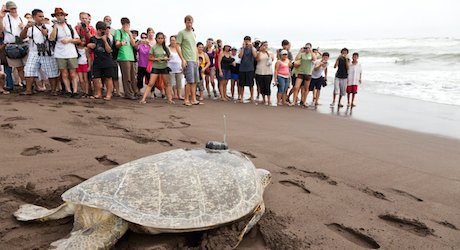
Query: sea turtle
181	190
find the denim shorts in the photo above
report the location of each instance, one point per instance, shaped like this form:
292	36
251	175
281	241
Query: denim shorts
283	84
191	72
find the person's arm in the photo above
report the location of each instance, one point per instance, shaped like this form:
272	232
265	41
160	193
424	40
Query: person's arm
318	65
91	45
240	55
53	33
208	61
275	76
254	52
336	62
313	57
2	15
131	40
360	74
257	56
221	55
325	74
117	38
24	31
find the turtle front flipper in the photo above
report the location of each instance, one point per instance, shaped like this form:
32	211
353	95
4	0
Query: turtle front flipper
93	229
28	212
260	210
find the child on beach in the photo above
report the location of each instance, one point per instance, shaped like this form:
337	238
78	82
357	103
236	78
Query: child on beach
354	77
341	76
83	66
317	78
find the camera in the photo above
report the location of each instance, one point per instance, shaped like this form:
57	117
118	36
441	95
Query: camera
42	50
43	27
83	25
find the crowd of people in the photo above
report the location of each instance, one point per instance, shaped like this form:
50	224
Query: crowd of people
83	61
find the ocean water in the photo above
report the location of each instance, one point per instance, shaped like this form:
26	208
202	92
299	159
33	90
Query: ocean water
426	69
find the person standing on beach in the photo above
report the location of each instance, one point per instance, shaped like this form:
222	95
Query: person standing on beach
341	77
11	25
225	62
174	63
317	78
159	54
235	69
103	65
304	68
40	53
203	65
124	41
186	48
65	51
264	72
282	75
354	78
210	72
143	50
246	75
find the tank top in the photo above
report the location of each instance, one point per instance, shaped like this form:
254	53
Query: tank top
211	57
203	61
283	69
82	59
262	68
227	62
342	71
175	62
247	61
306	66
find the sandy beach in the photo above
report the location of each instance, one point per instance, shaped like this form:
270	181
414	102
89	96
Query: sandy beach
337	183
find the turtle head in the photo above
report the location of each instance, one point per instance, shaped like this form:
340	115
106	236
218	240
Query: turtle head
265	177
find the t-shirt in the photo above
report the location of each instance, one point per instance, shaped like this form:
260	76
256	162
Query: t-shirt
262	68
318	73
82	59
15	29
102	59
187	41
306	66
354	72
125	52
65	50
38	38
247	61
143	51
158	52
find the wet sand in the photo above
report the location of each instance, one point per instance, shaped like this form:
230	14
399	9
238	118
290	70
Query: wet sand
337	183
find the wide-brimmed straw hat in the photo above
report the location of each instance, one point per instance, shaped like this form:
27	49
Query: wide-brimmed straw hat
58	10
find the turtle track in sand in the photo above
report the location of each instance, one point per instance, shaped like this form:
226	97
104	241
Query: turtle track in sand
38	130
106	161
354	236
8	126
15	118
61	139
35	150
405	194
313	174
410	225
296	183
447	224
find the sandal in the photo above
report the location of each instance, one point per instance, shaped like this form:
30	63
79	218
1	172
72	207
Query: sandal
197	103
5	92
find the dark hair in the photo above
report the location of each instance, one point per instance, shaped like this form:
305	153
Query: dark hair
36	11
135	31
101	25
172	37
326	54
356	54
125	20
308	44
187	18
164	43
143	33
284	42
344	49
315	50
199	43
247	38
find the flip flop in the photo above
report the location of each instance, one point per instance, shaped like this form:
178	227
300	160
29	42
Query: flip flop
198	103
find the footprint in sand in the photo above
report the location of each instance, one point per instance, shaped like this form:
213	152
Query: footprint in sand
165	142
16	118
296	183
410	225
169	124
38	130
36	150
104	118
249	154
374	193
406	194
61	139
106	161
313	174
188	141
8	126
447	224
354	236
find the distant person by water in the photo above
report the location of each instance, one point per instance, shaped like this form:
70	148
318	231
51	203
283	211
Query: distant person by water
354	78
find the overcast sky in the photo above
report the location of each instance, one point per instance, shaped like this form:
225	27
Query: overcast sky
274	20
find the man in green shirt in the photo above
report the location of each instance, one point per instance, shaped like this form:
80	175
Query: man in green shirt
125	43
186	48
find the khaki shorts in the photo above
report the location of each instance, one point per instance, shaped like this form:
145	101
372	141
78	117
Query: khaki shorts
16	63
67	63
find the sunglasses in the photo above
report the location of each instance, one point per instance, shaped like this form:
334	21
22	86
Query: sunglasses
143	37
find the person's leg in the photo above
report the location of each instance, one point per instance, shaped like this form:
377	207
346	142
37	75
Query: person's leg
74	78
336	90
187	93
268	89
307	90
168	90
81	80
193	93
148	88
348	98
141	73
54	84
65	80
295	90
213	81
9	77
353	99
132	79
125	75
109	84
97	88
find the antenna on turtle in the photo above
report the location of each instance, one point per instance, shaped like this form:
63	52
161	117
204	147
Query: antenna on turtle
217	145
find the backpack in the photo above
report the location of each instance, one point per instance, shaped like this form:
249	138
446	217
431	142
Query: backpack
53	45
115	50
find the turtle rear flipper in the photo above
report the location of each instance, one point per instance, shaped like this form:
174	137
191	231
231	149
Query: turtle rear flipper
93	229
28	212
